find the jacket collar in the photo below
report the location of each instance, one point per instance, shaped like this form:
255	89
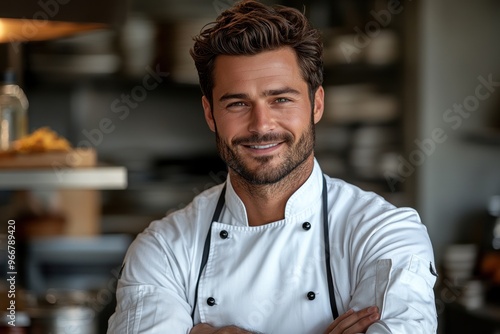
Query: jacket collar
303	199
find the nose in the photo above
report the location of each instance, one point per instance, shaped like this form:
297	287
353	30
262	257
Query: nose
261	119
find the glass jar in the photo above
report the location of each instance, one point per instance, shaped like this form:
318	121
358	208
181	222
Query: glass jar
13	113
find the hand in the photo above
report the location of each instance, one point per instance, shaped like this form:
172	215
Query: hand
354	322
207	329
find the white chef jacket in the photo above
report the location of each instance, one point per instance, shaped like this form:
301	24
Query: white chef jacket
258	277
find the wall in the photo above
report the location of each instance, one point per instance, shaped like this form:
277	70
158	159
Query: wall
458	43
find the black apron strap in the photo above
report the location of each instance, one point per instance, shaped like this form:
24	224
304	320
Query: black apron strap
329	276
206	248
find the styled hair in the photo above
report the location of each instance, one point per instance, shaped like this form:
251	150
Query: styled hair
250	27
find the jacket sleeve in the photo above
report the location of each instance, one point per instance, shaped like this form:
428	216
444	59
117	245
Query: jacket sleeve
395	271
151	297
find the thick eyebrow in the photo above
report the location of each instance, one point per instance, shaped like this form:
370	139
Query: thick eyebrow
233	96
280	91
270	92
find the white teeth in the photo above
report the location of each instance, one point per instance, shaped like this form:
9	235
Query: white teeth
262	147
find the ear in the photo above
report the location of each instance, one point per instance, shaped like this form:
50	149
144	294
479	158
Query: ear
319	104
209	117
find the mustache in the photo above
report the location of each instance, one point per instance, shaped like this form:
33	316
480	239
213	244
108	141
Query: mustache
259	139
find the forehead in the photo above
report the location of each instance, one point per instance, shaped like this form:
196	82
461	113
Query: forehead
267	66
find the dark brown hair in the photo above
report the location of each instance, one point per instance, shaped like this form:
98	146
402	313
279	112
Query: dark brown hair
250	27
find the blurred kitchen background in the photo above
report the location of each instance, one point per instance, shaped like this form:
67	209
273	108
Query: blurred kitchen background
412	113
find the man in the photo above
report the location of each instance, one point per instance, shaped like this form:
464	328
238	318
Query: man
279	248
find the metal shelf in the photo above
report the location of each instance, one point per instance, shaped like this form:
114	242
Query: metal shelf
99	178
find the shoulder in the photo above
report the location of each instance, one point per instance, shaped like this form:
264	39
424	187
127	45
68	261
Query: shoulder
363	209
168	245
183	227
344	193
190	219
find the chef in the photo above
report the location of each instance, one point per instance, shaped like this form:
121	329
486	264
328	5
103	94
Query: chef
279	248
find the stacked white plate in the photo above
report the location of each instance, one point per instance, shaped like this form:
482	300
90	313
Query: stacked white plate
459	261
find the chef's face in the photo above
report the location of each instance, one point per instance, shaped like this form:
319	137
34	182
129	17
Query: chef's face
262	114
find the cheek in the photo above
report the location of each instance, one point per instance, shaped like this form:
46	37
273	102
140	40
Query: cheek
297	123
227	130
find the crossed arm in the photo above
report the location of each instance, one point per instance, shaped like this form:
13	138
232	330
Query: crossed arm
351	322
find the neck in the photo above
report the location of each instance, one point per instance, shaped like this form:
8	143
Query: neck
266	203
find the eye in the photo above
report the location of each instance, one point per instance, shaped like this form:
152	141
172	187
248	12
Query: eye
236	104
282	100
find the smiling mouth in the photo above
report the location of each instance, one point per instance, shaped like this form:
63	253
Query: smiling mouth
263	143
263	147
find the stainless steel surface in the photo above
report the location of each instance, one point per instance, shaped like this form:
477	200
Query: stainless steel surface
63	311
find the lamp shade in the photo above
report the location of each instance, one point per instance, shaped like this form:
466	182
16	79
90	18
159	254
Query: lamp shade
31	20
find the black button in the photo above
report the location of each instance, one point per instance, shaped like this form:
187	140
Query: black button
306	226
211	301
223	234
311	295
